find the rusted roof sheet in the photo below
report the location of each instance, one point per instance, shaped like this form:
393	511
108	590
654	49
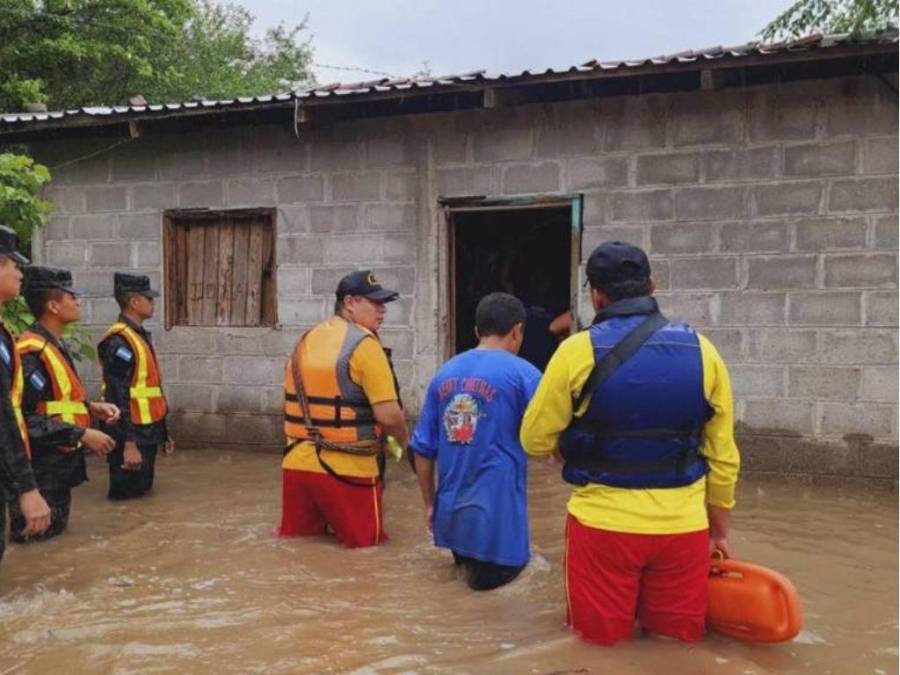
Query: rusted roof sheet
381	86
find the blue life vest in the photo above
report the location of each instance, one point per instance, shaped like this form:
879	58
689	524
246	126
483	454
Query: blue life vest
643	427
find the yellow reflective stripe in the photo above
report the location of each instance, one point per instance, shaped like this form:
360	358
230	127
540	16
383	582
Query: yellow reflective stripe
60	375
140	383
66	408
23	344
18	390
112	330
146	392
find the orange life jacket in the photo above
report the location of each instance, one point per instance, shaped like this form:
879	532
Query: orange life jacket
338	407
147	403
69	397
18	389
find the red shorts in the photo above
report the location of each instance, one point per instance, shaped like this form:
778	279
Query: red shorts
613	578
311	502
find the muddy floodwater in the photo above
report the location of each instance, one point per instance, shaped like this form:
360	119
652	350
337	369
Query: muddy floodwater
191	580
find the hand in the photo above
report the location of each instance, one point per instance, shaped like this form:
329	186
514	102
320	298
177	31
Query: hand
106	412
36	512
169	446
98	442
556	457
719	519
721	545
133	458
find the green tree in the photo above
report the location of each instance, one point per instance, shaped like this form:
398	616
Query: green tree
71	53
21	208
217	59
832	16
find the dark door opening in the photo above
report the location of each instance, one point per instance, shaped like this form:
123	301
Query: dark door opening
527	252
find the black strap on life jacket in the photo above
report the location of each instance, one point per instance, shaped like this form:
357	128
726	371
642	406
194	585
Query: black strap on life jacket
688	451
610	362
313	430
328	400
322	422
677	463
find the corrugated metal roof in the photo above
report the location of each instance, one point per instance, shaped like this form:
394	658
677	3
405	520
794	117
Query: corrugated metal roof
381	86
109	111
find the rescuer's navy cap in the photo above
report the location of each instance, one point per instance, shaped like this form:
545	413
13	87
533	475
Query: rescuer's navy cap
364	283
615	261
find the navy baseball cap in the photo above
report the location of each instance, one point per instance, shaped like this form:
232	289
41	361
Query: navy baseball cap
616	261
364	283
9	245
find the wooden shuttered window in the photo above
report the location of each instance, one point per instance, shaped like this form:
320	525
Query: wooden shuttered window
220	268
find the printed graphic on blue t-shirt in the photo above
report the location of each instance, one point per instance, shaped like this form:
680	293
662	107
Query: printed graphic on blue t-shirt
470	425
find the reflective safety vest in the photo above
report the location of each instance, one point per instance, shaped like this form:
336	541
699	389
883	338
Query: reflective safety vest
18	390
69	397
147	403
338	407
643	427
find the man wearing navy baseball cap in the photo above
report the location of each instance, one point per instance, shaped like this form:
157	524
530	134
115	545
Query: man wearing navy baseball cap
17	481
340	404
639	408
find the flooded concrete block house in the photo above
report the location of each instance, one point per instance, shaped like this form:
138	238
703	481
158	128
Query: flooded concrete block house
763	183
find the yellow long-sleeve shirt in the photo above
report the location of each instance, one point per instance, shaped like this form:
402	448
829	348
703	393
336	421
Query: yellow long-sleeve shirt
641	511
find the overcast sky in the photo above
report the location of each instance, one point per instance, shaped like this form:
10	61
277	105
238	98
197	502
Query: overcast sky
455	36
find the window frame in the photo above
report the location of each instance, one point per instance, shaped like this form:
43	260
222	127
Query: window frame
180	220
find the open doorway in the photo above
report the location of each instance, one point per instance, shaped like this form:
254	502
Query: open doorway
530	250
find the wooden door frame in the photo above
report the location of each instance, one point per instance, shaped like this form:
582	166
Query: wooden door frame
453	205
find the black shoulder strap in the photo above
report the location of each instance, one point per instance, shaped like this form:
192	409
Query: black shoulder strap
615	357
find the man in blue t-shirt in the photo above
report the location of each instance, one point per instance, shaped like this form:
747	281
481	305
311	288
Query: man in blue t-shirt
470	425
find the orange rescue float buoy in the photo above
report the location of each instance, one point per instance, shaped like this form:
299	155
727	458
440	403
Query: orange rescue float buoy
752	603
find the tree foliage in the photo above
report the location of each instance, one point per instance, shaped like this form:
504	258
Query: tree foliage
832	16
71	53
21	180
21	208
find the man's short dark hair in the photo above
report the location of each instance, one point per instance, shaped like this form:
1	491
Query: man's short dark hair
123	298
497	313
37	299
621	290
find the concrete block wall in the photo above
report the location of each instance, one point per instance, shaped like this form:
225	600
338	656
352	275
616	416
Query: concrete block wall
771	218
343	201
770	215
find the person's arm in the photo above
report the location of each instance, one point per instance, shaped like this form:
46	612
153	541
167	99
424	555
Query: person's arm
15	469
719	448
550	410
389	416
561	326
370	369
16	474
425	444
117	361
424	467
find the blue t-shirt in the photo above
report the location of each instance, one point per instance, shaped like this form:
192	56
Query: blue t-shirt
470	424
